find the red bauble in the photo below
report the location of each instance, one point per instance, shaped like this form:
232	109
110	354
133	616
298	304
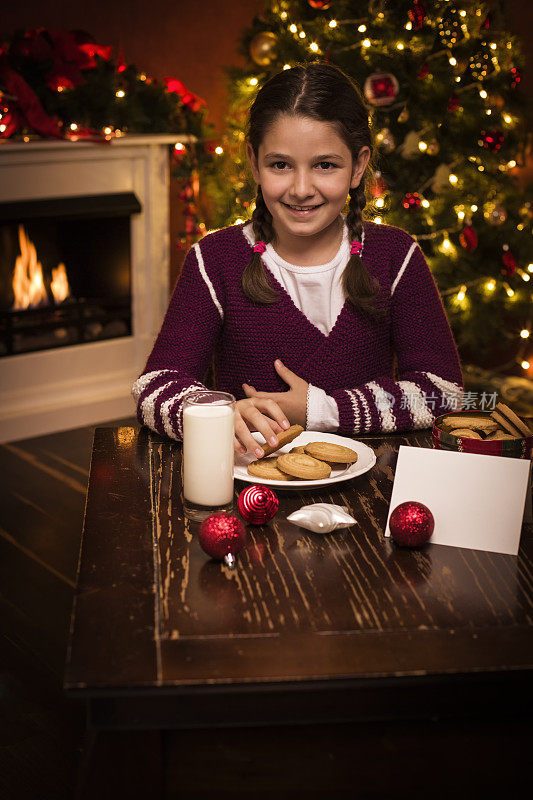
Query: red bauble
381	88
468	238
411	524
417	14
222	536
258	504
378	185
453	102
322	4
509	262
424	71
492	140
412	201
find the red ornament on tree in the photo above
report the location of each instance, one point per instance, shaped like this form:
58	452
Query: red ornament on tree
417	14
453	102
378	185
412	201
492	140
381	88
509	262
322	4
258	504
222	536
411	524
424	71
468	238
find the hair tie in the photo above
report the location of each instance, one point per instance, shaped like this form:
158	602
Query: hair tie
259	247
356	248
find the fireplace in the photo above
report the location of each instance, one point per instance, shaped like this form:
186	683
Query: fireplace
84	260
65	271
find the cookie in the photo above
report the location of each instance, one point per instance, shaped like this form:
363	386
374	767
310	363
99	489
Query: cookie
332	453
499	434
283	438
470	422
512	423
266	468
299	449
301	465
468	433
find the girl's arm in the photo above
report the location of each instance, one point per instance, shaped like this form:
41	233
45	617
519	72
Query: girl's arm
428	370
182	351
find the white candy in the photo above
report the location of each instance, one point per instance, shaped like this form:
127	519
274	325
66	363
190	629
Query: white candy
322	517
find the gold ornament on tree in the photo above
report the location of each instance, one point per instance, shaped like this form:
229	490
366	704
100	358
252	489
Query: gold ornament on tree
404	115
263	48
494	213
409	148
433	147
441	179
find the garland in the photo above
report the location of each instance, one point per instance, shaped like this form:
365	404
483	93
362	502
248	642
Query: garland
64	85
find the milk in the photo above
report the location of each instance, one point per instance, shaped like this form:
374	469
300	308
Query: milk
208	432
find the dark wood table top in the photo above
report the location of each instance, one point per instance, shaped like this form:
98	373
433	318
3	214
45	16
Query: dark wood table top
153	614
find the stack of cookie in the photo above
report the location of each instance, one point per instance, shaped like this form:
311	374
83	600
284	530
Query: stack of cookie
472	431
310	462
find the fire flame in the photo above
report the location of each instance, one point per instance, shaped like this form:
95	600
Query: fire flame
28	282
59	286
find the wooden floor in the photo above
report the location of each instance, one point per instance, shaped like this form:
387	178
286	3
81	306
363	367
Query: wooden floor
42	734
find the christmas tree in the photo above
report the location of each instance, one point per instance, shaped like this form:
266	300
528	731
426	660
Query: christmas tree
442	83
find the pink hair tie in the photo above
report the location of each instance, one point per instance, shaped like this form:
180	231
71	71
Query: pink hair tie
356	248
259	247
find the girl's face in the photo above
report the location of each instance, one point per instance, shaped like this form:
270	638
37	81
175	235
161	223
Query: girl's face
305	171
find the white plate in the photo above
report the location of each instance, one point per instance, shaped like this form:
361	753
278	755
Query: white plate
366	458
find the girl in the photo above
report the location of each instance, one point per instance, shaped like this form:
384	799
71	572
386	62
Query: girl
308	316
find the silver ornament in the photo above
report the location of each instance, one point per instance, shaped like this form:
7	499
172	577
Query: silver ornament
322	517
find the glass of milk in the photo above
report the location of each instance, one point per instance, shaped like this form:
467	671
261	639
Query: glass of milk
207	465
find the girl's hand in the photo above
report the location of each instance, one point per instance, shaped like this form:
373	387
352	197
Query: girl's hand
257	414
293	402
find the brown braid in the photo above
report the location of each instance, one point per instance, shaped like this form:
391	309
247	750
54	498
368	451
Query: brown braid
254	280
359	287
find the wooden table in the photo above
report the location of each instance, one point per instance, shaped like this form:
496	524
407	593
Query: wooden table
307	628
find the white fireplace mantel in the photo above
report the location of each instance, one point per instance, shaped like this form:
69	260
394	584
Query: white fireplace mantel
86	384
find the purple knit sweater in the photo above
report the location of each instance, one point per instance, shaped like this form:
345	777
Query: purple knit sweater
394	374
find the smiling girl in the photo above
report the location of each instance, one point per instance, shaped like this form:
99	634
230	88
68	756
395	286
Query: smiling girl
308	316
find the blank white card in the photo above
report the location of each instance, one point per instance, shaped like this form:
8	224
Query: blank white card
477	501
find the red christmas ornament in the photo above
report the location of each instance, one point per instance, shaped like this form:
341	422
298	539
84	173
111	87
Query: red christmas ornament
321	4
424	70
411	524
453	102
258	504
492	140
222	536
417	14
509	262
378	185
381	88
468	238
412	201
516	77
487	22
